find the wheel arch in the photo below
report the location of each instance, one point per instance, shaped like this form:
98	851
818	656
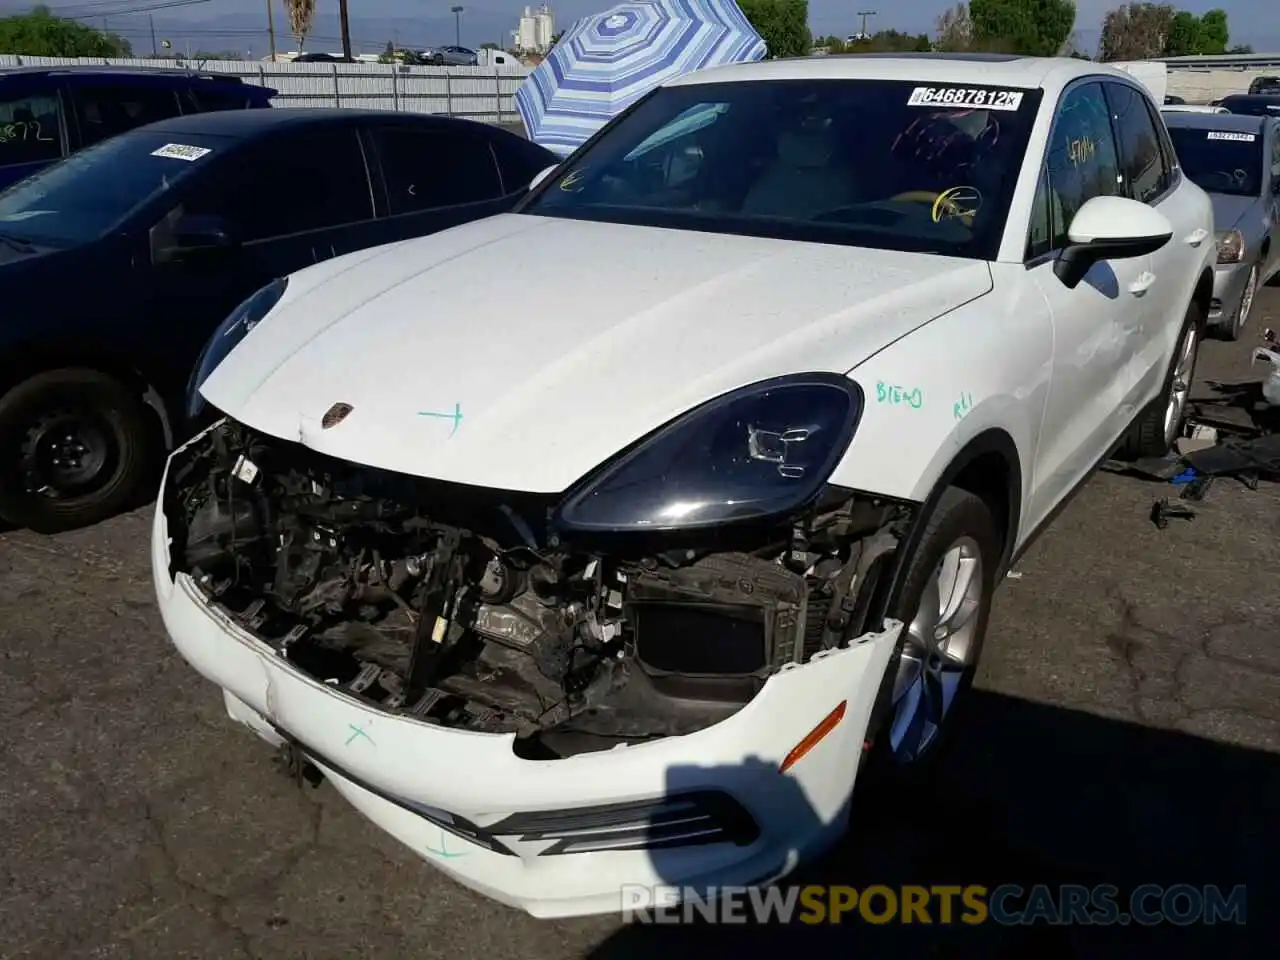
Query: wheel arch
1202	296
989	467
25	361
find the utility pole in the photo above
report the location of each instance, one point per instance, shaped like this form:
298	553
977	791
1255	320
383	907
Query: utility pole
864	14
457	25
271	29
346	29
155	50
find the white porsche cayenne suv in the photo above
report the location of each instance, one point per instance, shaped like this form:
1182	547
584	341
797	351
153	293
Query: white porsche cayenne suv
607	542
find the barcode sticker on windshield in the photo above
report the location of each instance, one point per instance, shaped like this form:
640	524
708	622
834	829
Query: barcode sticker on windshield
180	151
967	98
1230	135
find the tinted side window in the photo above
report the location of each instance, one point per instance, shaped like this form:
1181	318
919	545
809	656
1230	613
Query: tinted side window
29	129
521	161
1275	151
426	168
103	110
1081	159
209	99
307	180
1145	175
1040	233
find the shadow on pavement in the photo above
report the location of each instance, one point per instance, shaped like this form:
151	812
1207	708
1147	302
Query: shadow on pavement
1033	795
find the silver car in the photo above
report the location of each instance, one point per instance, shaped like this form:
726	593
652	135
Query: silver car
1236	160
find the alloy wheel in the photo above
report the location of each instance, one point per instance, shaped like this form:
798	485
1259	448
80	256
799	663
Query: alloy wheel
938	650
1180	387
1246	298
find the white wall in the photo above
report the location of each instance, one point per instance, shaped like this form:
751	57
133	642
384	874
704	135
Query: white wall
1201	86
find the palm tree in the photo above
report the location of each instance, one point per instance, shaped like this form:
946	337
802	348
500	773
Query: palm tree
302	14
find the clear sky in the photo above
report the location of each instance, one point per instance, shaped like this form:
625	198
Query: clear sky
227	24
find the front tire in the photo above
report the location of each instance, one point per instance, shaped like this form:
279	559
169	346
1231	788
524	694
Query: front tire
945	604
1158	427
75	447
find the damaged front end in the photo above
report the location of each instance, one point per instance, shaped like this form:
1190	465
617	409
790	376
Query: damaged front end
466	607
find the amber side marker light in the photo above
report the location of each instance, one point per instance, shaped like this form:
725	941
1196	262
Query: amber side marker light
814	737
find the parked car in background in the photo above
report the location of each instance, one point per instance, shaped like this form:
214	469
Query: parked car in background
47	113
1266	85
1236	160
118	262
1191	108
638	586
451	56
1257	105
320	57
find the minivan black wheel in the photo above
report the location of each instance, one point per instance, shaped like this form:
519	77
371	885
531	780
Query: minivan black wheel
75	445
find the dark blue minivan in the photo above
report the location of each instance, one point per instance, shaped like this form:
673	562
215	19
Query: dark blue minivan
47	113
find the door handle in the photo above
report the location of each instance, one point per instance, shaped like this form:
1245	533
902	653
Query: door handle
1143	283
1197	236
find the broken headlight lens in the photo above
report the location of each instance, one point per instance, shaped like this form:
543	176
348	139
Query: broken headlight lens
760	451
229	333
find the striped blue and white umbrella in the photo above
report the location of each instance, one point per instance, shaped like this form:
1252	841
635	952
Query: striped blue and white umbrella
605	62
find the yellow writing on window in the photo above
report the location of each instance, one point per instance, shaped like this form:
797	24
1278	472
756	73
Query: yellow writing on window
1081	150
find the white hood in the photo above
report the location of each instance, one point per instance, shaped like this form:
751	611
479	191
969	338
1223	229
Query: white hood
559	342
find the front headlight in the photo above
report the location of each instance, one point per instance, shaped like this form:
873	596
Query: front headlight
760	451
229	333
1230	246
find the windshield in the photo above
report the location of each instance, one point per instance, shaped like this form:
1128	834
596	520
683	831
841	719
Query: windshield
1220	161
86	195
873	163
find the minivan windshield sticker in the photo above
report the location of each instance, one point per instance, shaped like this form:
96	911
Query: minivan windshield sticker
180	151
965	97
1231	135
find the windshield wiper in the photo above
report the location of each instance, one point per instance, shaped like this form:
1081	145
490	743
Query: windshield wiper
16	243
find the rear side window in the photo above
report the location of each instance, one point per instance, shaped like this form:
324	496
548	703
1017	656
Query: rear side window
210	99
1142	165
30	131
103	110
520	161
424	169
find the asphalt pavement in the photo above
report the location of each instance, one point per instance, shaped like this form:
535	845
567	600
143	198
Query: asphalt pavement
1126	730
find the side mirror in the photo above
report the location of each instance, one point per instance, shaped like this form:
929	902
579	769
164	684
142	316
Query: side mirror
1110	228
202	231
542	175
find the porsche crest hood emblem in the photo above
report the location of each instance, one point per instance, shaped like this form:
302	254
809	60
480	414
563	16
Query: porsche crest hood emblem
335	415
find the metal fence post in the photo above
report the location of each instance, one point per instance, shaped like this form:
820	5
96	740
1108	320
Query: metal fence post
448	93
395	87
337	89
497	86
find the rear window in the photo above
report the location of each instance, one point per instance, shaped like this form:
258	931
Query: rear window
1220	161
210	99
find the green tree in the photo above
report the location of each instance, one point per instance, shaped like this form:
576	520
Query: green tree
1214	35
1033	27
784	25
1147	31
1136	31
1185	36
41	34
891	41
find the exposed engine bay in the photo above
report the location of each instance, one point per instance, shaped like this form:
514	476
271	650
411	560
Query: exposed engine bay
463	607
